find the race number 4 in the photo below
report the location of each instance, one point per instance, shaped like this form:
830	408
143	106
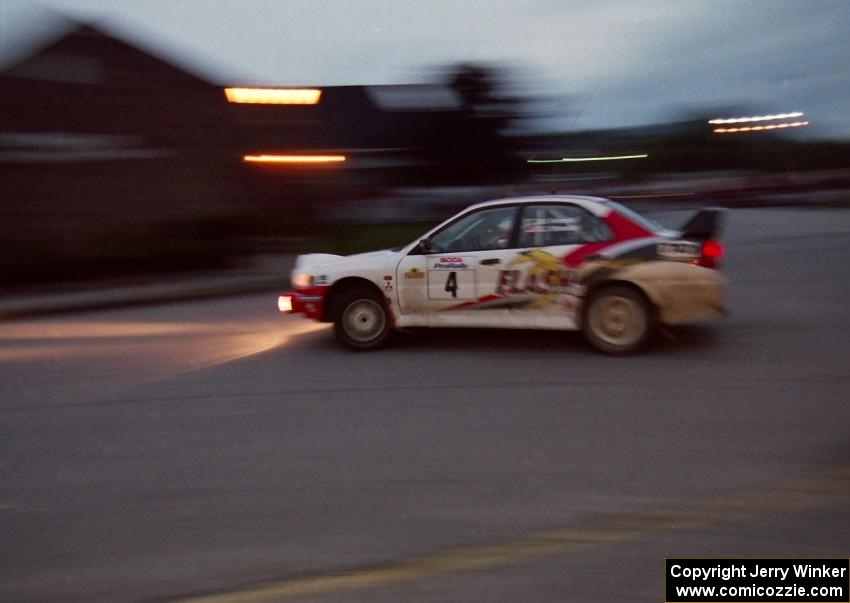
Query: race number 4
451	278
451	284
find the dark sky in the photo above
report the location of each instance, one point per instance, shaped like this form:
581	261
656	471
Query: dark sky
604	62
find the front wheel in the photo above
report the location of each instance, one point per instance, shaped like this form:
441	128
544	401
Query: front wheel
617	320
360	320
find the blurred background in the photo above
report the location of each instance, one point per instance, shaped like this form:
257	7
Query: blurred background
174	150
145	137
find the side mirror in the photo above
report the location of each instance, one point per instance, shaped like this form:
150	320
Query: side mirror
425	245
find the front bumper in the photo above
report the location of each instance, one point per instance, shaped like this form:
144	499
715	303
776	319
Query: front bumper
309	303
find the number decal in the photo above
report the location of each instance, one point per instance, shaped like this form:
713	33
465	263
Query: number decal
451	278
451	284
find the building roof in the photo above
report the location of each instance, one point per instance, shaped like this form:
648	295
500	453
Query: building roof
29	36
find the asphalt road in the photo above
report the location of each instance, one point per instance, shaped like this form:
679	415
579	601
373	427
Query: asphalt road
218	451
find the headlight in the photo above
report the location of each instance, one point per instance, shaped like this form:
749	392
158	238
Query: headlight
302	280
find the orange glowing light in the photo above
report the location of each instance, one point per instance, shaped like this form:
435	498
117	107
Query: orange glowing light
294	158
273	96
793	124
284	303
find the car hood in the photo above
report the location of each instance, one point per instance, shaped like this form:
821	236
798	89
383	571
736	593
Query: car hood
314	261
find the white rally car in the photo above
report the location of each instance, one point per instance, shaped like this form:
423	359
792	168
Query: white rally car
553	262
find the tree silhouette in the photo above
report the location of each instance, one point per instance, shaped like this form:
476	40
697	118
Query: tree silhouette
471	144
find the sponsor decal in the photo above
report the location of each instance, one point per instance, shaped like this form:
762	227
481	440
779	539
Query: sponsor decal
598	267
414	273
536	272
534	225
321	279
679	250
451	277
450	263
533	280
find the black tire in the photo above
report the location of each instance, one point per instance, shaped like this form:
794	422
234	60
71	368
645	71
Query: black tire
617	320
361	321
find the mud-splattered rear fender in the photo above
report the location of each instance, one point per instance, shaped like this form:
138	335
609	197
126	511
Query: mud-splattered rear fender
680	292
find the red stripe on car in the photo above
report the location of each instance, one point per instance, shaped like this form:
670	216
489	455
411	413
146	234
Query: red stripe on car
624	230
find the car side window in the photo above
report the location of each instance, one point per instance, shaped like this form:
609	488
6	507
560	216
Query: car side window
545	225
483	230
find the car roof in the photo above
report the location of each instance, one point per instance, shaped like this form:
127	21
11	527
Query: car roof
596	205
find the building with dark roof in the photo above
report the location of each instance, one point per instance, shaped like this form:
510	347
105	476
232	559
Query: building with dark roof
112	157
105	150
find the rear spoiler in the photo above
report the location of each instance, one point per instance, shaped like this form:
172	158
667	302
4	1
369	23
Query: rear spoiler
705	224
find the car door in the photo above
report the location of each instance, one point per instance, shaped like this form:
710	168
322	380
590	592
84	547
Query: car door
460	266
538	275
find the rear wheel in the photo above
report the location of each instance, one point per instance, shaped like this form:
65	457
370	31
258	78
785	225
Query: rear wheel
617	320
360	320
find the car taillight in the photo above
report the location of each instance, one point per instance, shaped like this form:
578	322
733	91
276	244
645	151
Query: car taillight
712	251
